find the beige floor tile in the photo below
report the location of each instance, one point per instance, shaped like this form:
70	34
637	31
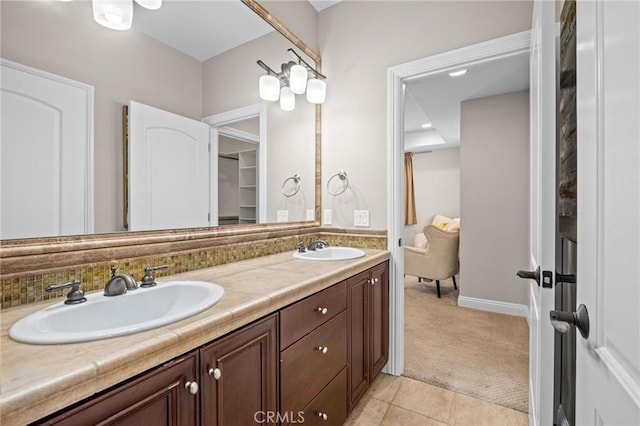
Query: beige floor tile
397	416
385	387
425	399
475	412
368	412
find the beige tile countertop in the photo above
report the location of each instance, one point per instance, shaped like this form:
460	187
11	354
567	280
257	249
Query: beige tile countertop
37	380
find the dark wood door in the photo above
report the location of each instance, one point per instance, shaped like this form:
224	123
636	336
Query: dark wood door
158	397
379	316
358	337
239	375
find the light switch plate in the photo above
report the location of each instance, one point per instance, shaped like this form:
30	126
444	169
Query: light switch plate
311	215
361	218
326	217
282	216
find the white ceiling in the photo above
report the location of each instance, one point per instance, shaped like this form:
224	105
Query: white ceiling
201	29
323	4
436	99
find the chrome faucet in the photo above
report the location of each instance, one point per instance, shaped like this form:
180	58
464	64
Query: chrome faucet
119	284
148	280
318	244
75	295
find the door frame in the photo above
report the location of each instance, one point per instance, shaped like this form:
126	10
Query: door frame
219	123
514	44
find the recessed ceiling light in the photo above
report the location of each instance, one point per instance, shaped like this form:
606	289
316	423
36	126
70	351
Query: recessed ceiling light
427	125
458	73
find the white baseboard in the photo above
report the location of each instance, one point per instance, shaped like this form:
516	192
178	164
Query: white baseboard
494	306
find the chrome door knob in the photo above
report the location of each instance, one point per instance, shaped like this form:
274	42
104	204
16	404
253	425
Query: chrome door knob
323	416
323	311
323	349
563	321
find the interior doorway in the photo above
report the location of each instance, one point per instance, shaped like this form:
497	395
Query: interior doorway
400	79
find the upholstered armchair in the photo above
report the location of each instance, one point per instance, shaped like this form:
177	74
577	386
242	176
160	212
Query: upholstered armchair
438	260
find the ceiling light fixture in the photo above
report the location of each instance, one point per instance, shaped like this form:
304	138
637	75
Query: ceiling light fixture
457	73
118	14
296	78
427	125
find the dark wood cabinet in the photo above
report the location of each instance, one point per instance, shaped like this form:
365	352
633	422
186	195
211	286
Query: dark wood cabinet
160	397
368	329
311	361
240	375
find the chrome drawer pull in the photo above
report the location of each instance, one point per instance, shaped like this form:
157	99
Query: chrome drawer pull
192	387
323	416
323	311
215	372
323	349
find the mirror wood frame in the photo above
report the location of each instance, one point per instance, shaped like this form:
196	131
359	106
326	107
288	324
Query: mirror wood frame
27	255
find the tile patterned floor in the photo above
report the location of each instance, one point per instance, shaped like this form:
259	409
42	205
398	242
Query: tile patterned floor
402	401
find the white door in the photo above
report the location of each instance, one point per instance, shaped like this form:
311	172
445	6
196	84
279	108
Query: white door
168	170
47	154
542	230
608	273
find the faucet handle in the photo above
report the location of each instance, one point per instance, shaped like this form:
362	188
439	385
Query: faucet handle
301	248
148	280
75	295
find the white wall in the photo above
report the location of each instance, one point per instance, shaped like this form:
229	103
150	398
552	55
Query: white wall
494	208
436	180
359	41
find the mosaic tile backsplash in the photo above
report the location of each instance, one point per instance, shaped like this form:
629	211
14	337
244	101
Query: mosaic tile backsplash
28	288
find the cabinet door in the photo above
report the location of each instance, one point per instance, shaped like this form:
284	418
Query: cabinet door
239	375
358	336
379	316
158	397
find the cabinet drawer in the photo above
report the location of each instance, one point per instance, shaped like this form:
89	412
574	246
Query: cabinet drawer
304	316
305	369
331	402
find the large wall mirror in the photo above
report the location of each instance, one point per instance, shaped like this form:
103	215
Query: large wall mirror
193	59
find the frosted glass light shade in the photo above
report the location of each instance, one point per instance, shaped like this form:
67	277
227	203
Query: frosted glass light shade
316	91
298	79
113	14
269	88
287	99
150	4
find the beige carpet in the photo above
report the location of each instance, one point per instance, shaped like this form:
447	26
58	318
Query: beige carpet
477	353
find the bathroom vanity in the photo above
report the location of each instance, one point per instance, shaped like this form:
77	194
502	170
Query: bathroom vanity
291	338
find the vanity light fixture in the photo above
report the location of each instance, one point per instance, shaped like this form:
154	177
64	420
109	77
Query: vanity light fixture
118	14
293	79
457	73
427	126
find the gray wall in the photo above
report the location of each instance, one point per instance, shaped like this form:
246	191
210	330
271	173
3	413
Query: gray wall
358	41
436	181
494	208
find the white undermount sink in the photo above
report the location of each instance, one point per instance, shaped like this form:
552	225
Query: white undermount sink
330	253
101	317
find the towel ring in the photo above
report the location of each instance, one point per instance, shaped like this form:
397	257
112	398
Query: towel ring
345	182
295	178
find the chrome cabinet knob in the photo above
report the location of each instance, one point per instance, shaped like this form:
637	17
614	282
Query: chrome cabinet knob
192	387
215	373
322	310
323	349
323	416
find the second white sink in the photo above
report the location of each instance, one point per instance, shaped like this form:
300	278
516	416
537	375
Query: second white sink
330	253
101	317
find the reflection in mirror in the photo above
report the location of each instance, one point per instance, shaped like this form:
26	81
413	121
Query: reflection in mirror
144	65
